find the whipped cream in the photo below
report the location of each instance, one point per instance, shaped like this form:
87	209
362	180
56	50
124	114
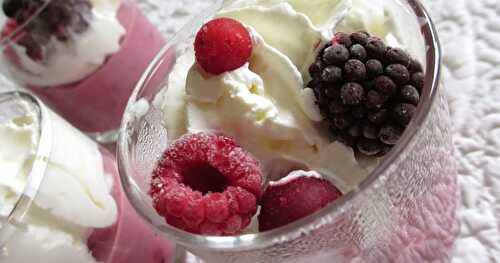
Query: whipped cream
73	199
71	61
253	104
264	104
388	20
322	13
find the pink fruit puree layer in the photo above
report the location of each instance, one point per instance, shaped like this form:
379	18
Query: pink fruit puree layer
96	104
131	239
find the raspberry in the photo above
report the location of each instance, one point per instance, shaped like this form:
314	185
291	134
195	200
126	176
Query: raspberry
366	91
294	197
222	45
206	184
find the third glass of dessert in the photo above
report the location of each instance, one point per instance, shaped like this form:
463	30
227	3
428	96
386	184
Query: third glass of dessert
60	194
82	57
296	131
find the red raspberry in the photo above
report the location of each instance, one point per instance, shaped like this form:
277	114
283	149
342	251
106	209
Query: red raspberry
294	198
222	45
207	184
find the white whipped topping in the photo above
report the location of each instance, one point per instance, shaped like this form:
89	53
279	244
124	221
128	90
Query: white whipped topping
264	104
322	13
289	32
296	175
255	105
73	60
388	20
74	196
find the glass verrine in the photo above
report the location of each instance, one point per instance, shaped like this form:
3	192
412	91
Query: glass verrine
82	57
60	194
403	211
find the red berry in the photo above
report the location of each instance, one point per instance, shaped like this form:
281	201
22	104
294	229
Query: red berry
222	45
207	184
294	198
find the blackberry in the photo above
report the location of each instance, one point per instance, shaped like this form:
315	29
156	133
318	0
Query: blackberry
366	91
58	18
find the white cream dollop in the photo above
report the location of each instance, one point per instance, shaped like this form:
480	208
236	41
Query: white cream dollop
255	105
297	40
323	14
264	104
73	199
71	61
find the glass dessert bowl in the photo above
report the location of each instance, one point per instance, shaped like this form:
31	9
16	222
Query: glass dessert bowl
82	57
291	131
60	194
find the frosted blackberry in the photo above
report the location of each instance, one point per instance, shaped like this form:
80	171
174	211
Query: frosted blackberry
366	91
58	18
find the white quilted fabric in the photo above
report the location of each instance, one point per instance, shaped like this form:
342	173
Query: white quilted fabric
470	35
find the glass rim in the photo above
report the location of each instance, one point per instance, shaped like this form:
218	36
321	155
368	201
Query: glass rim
6	40
37	169
253	241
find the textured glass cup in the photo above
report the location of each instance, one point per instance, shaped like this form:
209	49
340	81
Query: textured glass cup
404	211
61	194
81	57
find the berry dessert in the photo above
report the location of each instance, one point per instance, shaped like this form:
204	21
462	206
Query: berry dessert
83	57
76	211
295	103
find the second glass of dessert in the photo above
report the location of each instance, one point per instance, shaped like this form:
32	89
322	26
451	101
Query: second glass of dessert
296	131
82	57
60	195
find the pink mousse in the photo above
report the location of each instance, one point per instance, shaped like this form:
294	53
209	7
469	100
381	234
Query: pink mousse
131	239
96	104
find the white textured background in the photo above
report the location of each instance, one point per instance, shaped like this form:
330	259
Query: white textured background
470	34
